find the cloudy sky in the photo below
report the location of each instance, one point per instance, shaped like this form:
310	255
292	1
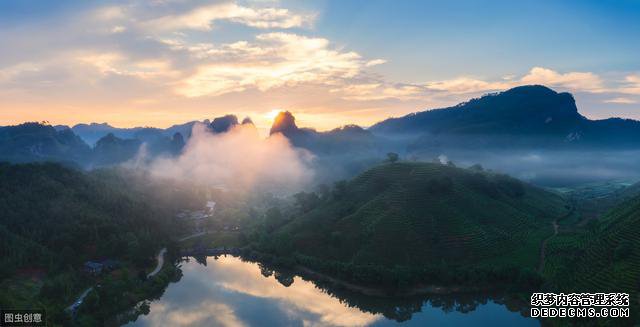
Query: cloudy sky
157	63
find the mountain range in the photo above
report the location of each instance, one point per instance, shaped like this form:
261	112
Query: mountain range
523	116
93	132
526	118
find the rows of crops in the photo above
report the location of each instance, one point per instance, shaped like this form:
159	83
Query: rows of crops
422	213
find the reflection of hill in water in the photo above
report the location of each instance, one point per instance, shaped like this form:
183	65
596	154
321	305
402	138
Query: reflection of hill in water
396	308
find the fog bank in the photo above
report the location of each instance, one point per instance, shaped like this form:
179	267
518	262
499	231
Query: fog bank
238	159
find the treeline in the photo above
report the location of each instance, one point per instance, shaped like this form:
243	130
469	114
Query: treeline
400	277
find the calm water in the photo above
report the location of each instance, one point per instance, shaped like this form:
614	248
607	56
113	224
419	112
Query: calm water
230	292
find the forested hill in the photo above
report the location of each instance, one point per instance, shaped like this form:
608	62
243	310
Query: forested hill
53	219
39	142
69	216
423	214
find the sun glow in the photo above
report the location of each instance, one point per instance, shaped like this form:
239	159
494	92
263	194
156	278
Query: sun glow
271	115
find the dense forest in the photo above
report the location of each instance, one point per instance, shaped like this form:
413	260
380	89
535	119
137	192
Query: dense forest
54	219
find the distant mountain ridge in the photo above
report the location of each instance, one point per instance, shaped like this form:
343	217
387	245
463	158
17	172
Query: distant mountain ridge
37	142
348	138
93	132
525	114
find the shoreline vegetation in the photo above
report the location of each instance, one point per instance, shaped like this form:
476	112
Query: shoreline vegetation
381	292
294	265
386	289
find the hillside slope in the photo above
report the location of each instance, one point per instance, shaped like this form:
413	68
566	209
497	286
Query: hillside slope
427	214
602	258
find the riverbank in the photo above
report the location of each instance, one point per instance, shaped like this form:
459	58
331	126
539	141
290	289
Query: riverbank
383	292
314	275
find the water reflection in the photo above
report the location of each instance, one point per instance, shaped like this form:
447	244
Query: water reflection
231	292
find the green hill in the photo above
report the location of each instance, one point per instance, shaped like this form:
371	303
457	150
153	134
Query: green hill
424	214
603	257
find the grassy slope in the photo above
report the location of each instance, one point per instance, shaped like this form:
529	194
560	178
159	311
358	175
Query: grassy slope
408	213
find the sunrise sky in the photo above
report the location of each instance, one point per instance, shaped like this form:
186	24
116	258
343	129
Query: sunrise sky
159	63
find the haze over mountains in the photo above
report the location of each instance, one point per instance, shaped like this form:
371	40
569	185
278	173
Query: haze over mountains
532	128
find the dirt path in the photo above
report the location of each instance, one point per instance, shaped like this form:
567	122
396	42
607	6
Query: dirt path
160	263
192	236
72	308
543	248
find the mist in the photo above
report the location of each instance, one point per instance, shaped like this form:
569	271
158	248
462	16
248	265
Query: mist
550	168
240	160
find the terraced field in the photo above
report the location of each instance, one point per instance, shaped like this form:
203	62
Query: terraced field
429	214
604	257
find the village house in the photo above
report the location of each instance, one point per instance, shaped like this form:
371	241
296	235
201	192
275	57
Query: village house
94	268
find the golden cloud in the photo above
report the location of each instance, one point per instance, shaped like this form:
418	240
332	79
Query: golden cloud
621	101
632	85
573	81
576	81
273	60
202	18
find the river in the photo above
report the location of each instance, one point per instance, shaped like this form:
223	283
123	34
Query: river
231	292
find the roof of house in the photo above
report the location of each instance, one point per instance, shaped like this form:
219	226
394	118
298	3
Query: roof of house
93	265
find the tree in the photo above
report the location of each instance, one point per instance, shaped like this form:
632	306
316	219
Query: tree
273	218
477	167
323	191
593	225
339	189
392	157
623	250
306	201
